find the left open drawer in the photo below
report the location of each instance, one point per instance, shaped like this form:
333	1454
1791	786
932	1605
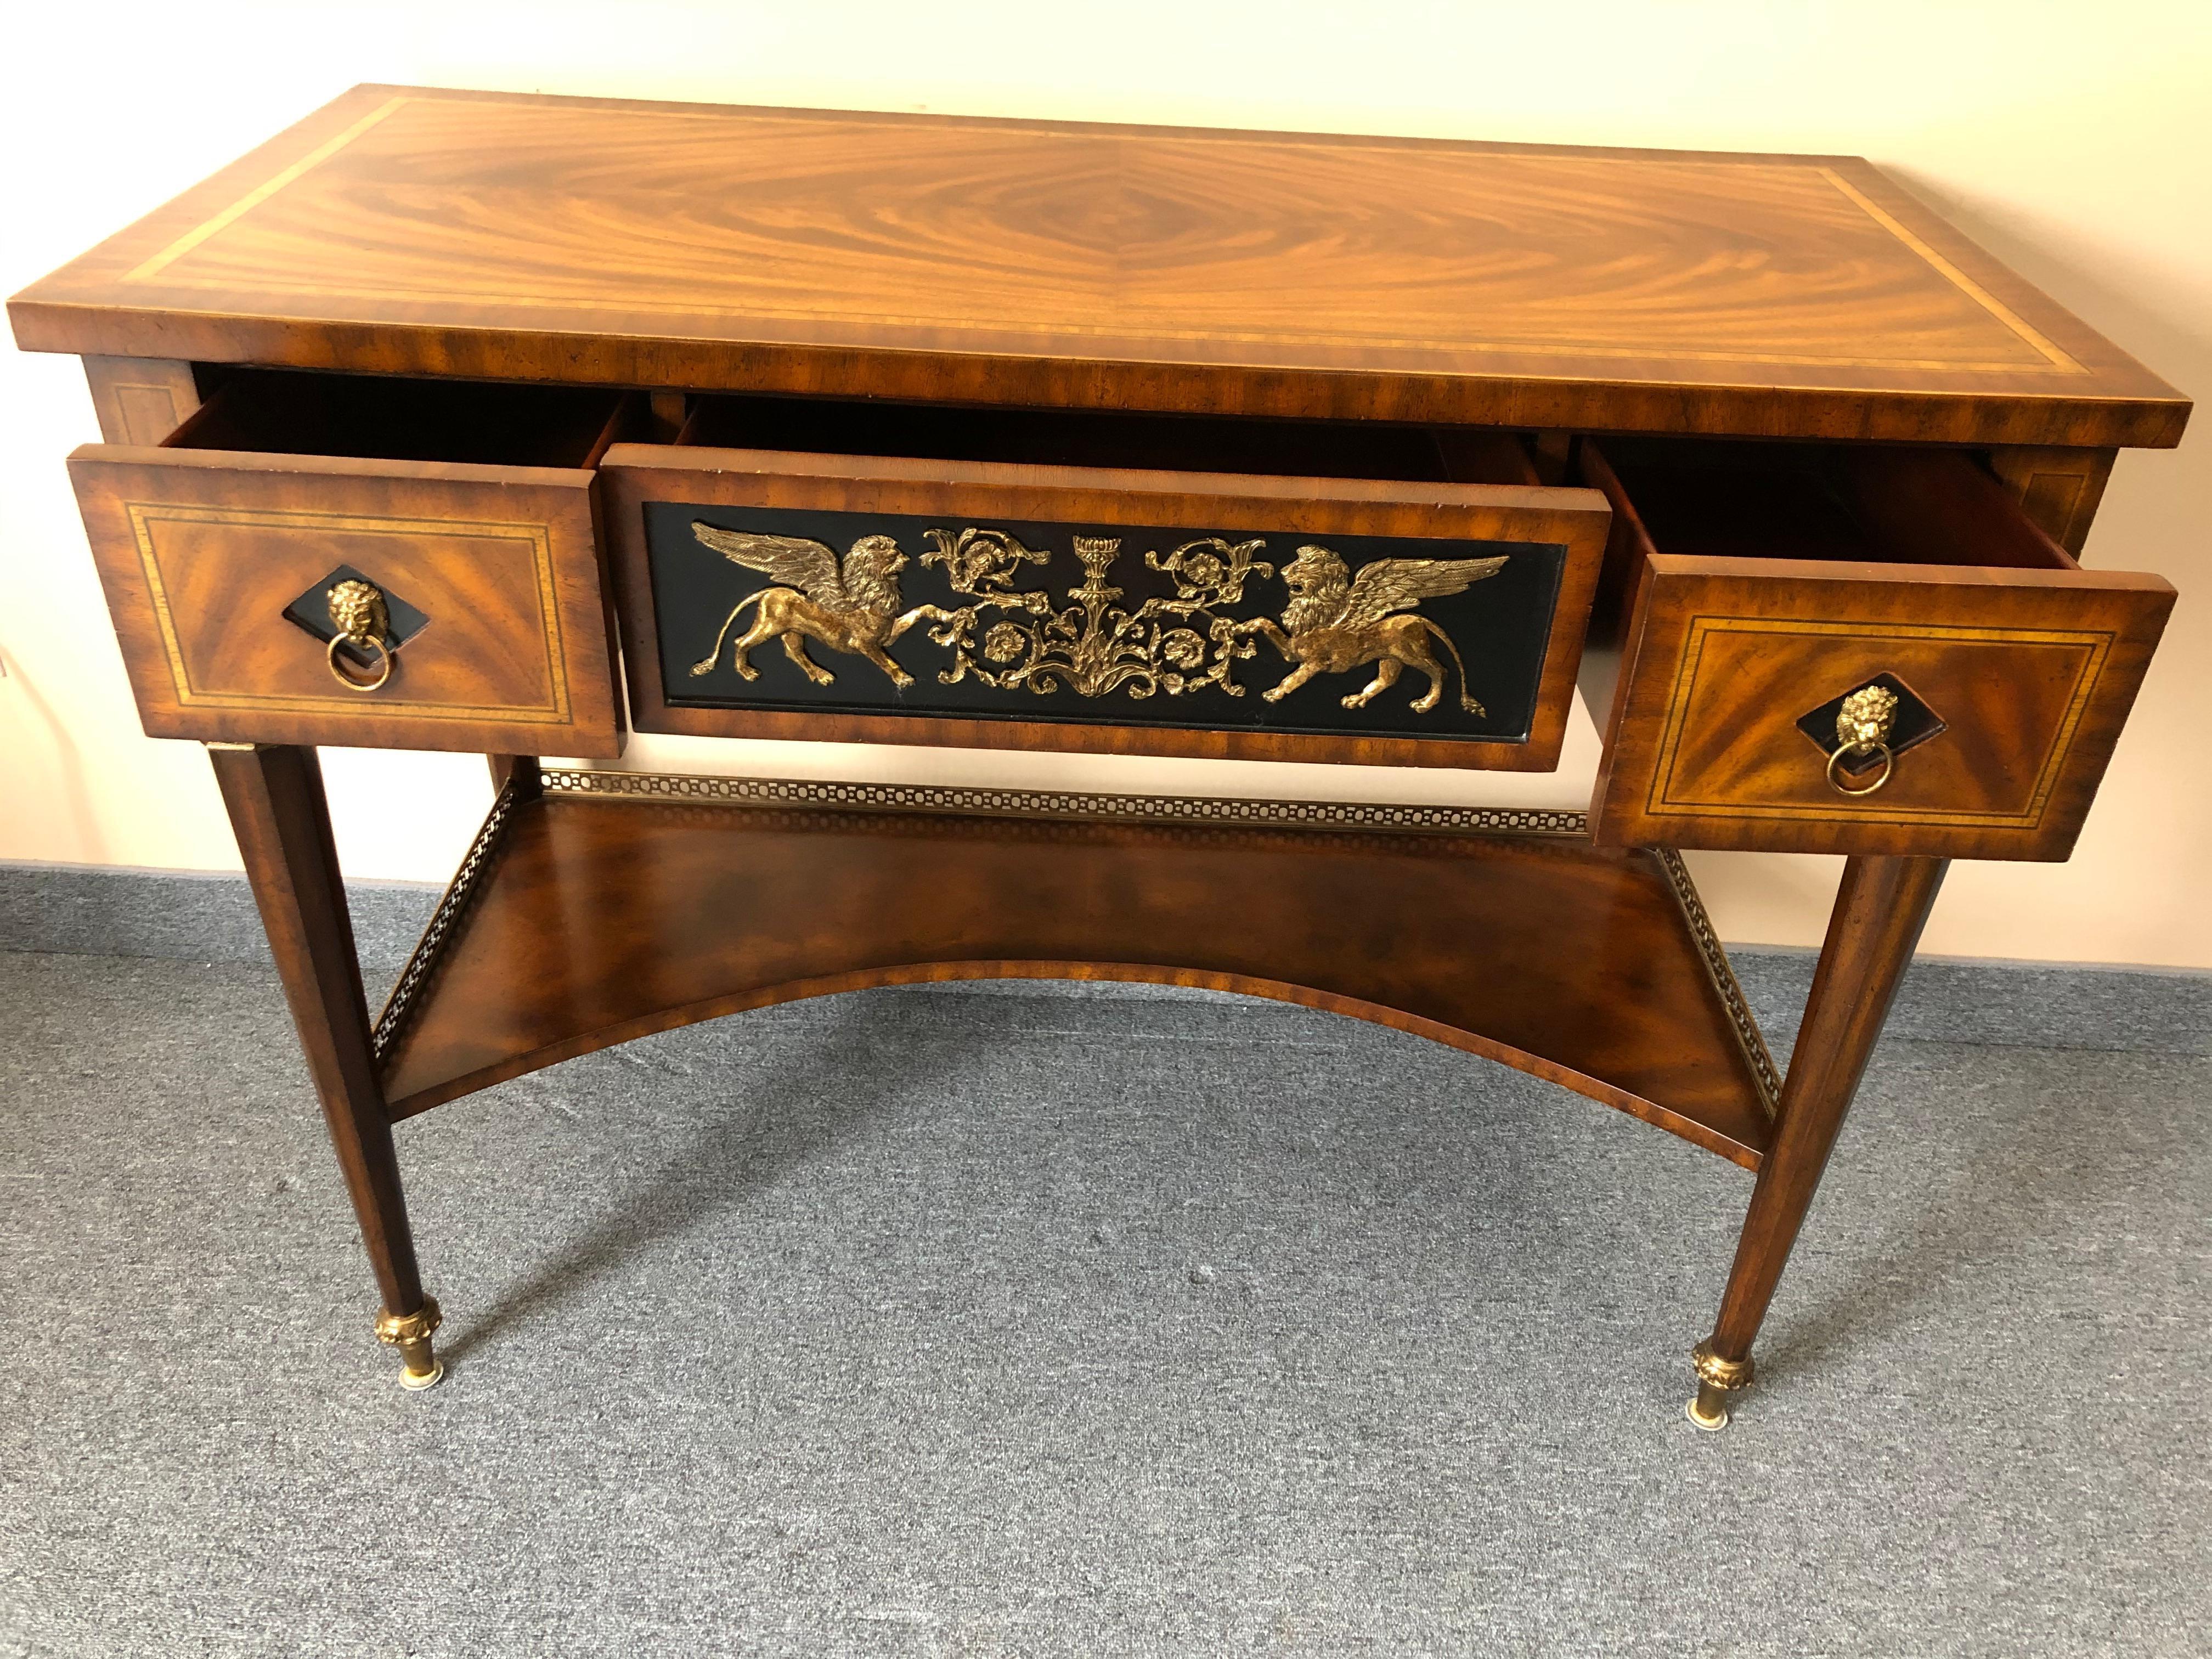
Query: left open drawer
339	559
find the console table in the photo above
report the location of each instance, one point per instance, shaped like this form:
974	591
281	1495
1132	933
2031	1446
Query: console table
463	421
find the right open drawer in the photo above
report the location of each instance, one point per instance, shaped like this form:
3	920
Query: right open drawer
1754	587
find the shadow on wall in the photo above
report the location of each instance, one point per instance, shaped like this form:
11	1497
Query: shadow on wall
67	765
2153	493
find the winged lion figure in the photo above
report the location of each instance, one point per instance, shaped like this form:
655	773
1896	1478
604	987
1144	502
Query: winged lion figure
1336	622
853	609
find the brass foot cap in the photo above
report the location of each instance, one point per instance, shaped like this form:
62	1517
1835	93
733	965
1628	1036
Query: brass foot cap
1712	1424
410	1333
415	1382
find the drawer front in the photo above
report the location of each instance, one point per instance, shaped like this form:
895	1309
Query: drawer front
490	574
2013	686
992	605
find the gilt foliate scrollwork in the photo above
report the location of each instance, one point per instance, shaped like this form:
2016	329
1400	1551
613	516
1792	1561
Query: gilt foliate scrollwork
1093	646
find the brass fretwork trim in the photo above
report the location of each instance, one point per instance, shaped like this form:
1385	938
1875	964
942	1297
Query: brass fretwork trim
1072	804
427	948
1752	1040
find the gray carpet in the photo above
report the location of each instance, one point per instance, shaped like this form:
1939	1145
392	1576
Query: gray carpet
947	1324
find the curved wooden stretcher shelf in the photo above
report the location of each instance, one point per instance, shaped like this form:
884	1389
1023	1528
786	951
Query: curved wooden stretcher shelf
586	917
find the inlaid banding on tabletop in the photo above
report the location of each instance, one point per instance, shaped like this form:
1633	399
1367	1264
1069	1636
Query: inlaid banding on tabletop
1123	266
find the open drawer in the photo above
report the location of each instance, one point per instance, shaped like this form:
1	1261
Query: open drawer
1763	584
464	511
1143	584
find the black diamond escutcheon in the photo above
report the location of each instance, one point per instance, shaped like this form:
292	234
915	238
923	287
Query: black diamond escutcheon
1914	723
311	611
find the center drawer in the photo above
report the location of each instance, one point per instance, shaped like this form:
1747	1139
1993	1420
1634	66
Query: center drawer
1752	588
1146	585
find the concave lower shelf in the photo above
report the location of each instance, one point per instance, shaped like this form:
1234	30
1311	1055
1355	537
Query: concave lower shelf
614	904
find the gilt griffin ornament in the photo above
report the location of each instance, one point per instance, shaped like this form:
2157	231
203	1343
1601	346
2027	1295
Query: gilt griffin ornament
1336	622
854	609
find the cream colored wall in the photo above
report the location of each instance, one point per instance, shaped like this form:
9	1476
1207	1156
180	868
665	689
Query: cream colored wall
2075	143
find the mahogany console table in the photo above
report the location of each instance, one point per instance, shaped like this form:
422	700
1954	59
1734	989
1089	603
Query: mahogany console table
454	420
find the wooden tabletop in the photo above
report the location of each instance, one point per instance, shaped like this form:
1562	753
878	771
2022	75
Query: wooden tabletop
418	231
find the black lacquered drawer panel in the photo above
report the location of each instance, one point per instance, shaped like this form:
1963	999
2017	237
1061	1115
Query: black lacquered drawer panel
984	603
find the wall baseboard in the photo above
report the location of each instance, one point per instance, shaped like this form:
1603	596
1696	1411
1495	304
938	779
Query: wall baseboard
78	910
84	910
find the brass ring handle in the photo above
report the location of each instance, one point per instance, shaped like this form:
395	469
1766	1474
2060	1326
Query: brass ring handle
363	622
364	642
1888	765
1862	727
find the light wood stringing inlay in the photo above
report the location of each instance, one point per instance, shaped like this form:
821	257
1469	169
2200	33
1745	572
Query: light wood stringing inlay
1664	802
146	515
150	412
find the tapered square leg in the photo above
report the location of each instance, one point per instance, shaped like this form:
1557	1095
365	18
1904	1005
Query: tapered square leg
1881	909
277	809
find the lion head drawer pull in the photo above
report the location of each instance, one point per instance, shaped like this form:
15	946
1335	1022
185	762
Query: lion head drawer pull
358	611
1862	727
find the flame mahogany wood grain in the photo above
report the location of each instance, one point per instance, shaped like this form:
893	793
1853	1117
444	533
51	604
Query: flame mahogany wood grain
2032	671
636	474
412	231
2031	662
504	561
473	504
606	920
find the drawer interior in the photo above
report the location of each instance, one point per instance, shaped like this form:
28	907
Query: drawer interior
1834	503
1110	438
373	417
